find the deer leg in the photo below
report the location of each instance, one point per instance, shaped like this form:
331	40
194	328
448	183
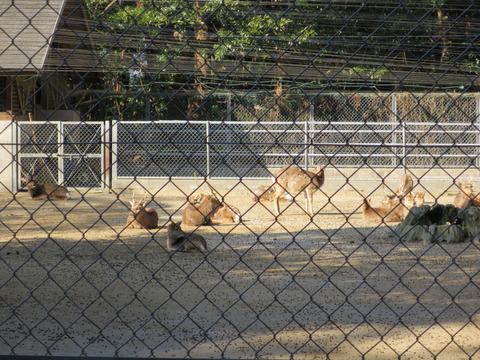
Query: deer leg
276	203
309	195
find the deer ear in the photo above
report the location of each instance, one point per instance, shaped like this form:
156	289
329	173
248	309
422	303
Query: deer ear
131	203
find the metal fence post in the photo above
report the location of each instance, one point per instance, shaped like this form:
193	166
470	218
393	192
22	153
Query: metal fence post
61	153
307	147
477	122
404	145
309	131
229	108
394	126
17	170
403	160
113	129
207	131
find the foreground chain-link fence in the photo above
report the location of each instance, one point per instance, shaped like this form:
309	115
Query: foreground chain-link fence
171	103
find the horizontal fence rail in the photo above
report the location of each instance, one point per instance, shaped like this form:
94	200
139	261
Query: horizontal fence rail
221	149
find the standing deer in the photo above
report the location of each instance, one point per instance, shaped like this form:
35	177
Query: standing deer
141	217
42	191
293	181
178	240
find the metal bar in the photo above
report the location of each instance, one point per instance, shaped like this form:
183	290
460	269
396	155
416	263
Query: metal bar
207	130
477	122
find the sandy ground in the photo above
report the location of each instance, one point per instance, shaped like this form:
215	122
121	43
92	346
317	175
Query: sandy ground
73	282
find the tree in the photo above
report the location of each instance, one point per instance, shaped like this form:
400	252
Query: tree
199	47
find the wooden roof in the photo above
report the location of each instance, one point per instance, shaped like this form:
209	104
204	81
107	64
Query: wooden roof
27	29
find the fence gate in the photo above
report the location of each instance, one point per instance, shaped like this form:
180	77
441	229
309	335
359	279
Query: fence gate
68	153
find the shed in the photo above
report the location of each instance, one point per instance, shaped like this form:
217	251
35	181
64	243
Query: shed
41	45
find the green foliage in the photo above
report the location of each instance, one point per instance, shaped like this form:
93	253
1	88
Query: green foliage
187	43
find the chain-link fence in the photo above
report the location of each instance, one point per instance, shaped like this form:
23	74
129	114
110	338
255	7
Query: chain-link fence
190	108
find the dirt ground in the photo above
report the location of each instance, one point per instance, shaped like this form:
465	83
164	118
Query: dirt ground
74	281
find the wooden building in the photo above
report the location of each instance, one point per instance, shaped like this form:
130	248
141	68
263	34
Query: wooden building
41	49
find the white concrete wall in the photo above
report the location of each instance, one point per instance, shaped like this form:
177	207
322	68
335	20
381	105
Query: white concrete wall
7	174
365	181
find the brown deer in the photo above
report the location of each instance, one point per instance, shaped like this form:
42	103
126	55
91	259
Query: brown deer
178	240
227	214
293	181
389	211
201	210
407	202
43	191
403	199
419	198
267	193
466	197
393	209
404	188
141	217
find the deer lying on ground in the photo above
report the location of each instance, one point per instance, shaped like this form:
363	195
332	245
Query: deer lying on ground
42	191
392	210
267	193
200	211
141	217
227	214
466	196
293	181
404	188
409	201
396	207
389	211
207	207
419	198
178	240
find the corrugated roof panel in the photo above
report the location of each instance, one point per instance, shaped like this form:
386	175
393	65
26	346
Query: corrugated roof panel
26	30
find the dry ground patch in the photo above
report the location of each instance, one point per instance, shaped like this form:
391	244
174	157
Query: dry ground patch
74	281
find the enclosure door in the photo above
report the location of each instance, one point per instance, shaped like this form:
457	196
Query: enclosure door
68	153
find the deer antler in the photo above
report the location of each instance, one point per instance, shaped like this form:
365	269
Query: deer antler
390	196
212	191
25	177
144	196
32	171
406	186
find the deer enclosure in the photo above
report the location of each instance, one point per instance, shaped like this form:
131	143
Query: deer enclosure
240	179
306	280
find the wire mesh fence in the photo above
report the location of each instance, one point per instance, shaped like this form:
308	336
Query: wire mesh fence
162	123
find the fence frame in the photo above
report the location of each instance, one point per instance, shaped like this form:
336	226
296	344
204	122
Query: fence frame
60	154
397	129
